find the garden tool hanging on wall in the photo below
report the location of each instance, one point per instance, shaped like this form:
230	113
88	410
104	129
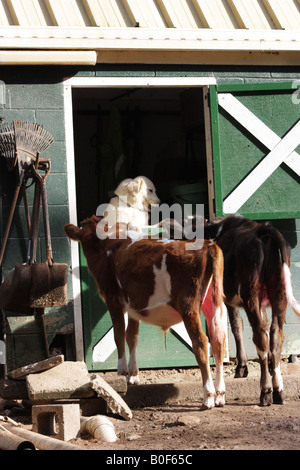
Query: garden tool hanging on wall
15	290
48	279
33	285
21	145
36	285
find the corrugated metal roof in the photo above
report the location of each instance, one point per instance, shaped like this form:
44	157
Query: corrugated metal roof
213	14
255	31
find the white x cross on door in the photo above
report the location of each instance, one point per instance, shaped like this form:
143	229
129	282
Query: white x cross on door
281	150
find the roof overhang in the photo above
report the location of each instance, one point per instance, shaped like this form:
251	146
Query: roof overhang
164	39
20	42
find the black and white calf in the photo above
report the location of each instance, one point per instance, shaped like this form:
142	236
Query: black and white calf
256	276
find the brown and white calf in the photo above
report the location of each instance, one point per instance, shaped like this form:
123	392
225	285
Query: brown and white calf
256	276
160	282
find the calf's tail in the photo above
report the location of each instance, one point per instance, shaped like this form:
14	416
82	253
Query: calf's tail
217	274
289	291
266	232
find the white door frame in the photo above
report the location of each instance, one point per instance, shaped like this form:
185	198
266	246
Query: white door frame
101	82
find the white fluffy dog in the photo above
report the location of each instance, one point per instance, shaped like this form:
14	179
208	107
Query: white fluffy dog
132	203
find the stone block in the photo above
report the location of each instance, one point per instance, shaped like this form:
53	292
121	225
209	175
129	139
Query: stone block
35	367
58	421
67	380
113	399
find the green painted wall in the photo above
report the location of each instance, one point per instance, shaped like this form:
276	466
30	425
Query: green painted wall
36	94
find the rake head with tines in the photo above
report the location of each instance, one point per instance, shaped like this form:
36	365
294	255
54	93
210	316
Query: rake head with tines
31	139
8	145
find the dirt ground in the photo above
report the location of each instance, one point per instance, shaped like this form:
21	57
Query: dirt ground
239	425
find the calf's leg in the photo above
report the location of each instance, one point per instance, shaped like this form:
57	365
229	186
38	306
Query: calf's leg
276	341
213	315
132	333
118	321
237	328
200	347
260	328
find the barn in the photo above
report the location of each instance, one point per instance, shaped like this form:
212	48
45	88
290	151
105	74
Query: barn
201	96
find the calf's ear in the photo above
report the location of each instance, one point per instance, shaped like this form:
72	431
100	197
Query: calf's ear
72	232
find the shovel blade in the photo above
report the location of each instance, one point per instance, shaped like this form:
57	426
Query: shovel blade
48	285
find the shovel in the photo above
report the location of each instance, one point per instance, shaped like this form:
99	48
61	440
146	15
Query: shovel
15	290
34	285
48	279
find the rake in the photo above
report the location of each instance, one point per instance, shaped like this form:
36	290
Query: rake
21	146
31	141
8	145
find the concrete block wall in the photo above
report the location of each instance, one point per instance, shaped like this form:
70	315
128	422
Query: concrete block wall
35	95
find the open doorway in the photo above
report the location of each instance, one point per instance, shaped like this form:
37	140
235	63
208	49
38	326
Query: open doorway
126	132
159	131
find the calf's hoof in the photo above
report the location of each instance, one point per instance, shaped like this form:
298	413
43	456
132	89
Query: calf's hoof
278	397
266	398
241	372
134	379
220	399
208	403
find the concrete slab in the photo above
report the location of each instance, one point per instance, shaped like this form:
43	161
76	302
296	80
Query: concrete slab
40	366
114	401
67	380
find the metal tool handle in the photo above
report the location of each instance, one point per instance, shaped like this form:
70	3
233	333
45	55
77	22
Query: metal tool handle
35	218
42	182
11	214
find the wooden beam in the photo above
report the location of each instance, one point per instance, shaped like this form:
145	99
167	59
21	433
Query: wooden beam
48	57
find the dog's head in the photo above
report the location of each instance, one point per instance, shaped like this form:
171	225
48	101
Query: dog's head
140	192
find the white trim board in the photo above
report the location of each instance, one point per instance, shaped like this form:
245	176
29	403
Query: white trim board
75	262
139	82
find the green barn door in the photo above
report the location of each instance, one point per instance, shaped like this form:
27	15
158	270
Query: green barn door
256	163
153	349
256	147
